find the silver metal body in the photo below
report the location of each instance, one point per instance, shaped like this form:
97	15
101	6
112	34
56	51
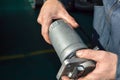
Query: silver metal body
66	42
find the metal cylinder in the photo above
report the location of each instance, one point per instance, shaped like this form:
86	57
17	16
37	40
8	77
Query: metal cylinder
64	39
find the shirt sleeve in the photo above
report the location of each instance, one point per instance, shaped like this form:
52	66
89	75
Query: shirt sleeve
118	69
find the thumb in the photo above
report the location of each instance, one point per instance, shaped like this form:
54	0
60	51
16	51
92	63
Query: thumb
65	78
89	54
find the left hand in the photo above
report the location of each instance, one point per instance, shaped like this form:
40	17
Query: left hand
106	64
53	9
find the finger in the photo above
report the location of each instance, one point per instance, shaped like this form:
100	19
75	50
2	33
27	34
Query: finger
45	22
90	76
69	19
86	79
45	27
90	54
65	78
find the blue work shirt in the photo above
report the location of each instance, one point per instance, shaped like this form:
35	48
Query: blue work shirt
107	26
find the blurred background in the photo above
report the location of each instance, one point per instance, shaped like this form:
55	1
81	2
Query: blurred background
24	55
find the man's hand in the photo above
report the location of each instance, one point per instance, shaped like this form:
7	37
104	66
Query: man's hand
53	9
106	63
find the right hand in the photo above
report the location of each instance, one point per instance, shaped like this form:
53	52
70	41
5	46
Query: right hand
53	9
106	64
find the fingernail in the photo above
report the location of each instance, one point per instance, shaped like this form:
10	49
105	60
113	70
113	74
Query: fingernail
79	53
76	24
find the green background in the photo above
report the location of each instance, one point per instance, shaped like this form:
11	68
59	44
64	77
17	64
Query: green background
24	55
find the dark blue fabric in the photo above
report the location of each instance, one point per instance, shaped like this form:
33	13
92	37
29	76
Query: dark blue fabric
118	69
107	25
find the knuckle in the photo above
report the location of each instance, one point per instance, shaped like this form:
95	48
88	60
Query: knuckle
39	20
